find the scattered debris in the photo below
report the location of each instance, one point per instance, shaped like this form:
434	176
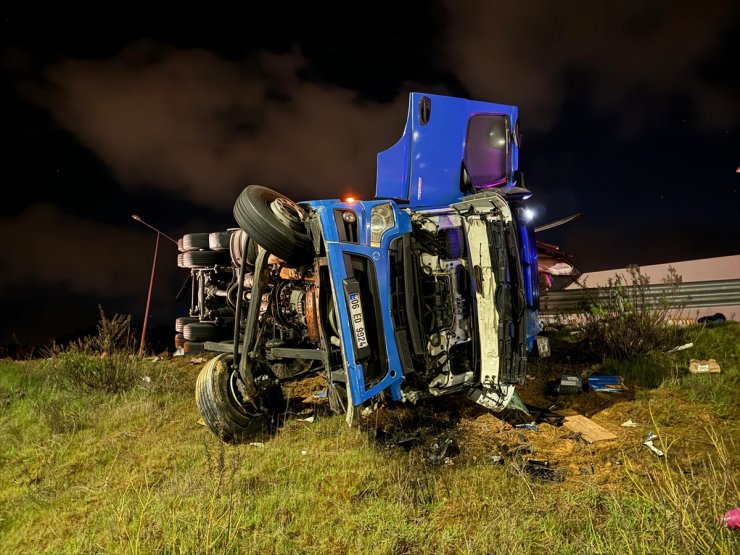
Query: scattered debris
653	448
629	424
304	452
179	352
442	448
570	385
321	394
543	346
406	439
517	450
717	318
607	384
146	379
649	444
197	360
680	348
704	366
156	359
540	415
732	519
541	470
589	430
307	419
531	426
495	459
257	444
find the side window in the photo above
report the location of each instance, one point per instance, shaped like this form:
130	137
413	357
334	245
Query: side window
487	150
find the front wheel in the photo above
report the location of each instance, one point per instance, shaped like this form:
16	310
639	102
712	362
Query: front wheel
275	223
223	409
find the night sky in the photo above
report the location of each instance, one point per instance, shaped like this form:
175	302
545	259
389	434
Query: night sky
630	113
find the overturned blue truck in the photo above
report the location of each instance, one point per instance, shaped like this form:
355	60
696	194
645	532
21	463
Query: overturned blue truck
431	288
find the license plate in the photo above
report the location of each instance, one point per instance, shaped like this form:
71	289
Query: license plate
358	320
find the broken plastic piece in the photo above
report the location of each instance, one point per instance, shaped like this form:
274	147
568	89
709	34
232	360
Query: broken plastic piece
532	427
542	471
629	424
543	346
653	448
680	348
607	384
570	385
442	448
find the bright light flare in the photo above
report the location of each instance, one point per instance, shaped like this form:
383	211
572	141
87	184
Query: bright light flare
349	200
528	214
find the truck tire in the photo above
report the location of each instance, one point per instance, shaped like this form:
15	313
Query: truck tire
222	408
201	331
182	321
179	341
194	241
235	249
275	223
203	259
193	348
219	240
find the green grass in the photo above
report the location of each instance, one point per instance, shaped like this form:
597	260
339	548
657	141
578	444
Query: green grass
85	470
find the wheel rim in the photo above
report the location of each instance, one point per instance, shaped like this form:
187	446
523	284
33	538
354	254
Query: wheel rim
288	212
235	397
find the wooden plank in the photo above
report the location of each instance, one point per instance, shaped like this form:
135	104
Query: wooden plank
589	430
565	412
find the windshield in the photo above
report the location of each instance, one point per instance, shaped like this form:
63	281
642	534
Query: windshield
487	150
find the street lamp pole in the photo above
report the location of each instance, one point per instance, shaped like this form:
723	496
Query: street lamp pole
151	278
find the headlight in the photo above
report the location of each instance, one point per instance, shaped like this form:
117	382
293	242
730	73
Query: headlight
381	220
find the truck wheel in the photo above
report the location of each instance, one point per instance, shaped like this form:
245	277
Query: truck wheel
201	331
193	347
275	223
223	409
235	248
219	240
182	321
194	241
201	259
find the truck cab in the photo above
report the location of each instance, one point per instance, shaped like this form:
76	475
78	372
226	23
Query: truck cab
428	289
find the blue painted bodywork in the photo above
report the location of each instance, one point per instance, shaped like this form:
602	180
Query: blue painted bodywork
422	170
335	251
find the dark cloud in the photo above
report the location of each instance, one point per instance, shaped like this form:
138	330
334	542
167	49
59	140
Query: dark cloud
192	123
46	246
519	52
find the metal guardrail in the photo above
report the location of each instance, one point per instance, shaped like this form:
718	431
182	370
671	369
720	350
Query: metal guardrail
695	294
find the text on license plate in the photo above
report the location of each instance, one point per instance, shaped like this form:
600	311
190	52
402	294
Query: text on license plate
358	321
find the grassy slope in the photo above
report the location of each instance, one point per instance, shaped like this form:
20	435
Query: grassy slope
83	471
